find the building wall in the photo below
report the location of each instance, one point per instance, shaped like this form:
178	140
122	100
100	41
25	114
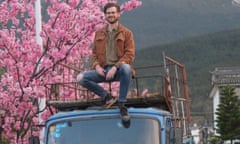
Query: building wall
221	77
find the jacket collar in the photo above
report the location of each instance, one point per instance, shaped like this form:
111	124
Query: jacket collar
119	29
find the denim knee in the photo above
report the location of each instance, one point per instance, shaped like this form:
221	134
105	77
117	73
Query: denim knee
125	69
81	80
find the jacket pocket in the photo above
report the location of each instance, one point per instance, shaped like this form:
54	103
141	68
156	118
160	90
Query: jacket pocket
100	45
120	46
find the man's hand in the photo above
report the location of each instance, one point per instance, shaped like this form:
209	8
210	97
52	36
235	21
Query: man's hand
100	70
79	77
111	73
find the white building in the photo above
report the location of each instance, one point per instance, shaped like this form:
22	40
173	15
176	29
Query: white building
221	77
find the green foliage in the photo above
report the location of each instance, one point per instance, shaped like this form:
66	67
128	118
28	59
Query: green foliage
3	139
1	72
215	140
228	114
200	55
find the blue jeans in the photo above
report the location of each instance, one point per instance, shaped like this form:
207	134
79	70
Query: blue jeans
91	79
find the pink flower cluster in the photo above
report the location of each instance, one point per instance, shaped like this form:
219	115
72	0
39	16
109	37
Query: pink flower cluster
68	28
128	6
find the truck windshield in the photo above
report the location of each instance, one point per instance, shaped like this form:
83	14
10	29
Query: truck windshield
104	131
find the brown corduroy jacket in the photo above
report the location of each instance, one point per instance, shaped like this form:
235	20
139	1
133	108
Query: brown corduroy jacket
124	43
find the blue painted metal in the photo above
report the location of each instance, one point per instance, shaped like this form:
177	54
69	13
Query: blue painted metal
160	115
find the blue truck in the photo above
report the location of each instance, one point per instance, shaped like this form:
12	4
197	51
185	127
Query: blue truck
160	116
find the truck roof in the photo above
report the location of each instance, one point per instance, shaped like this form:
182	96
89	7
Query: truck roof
110	112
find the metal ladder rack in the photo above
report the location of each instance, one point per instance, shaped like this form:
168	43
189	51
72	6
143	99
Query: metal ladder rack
166	85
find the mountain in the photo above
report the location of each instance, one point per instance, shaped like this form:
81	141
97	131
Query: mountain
165	21
200	55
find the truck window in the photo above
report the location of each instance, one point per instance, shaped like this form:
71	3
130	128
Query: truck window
104	131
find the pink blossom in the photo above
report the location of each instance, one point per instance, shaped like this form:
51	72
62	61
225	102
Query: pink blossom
17	125
131	5
31	67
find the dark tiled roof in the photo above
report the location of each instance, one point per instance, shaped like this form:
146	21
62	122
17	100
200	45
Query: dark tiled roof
226	76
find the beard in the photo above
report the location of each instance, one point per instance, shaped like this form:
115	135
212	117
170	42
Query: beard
112	21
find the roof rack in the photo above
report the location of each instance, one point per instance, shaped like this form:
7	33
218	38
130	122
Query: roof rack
150	100
166	86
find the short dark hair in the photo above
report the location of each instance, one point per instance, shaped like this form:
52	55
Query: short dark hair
108	5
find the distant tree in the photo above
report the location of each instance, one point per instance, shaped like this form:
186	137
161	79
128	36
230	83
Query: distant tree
214	140
228	114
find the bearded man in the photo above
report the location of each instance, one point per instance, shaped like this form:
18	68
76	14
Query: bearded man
112	56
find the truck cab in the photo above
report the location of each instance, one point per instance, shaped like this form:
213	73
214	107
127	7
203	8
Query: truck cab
147	126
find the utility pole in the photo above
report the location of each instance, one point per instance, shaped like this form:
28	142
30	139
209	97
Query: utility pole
38	18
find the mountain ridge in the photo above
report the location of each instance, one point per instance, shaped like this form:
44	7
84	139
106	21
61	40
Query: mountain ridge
200	55
166	21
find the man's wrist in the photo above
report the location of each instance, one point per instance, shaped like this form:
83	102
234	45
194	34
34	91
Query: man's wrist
97	66
115	67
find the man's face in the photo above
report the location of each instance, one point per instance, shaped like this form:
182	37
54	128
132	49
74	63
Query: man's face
112	15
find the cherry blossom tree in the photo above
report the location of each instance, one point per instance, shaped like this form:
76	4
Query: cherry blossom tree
67	33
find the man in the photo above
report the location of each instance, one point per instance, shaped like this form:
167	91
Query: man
112	55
